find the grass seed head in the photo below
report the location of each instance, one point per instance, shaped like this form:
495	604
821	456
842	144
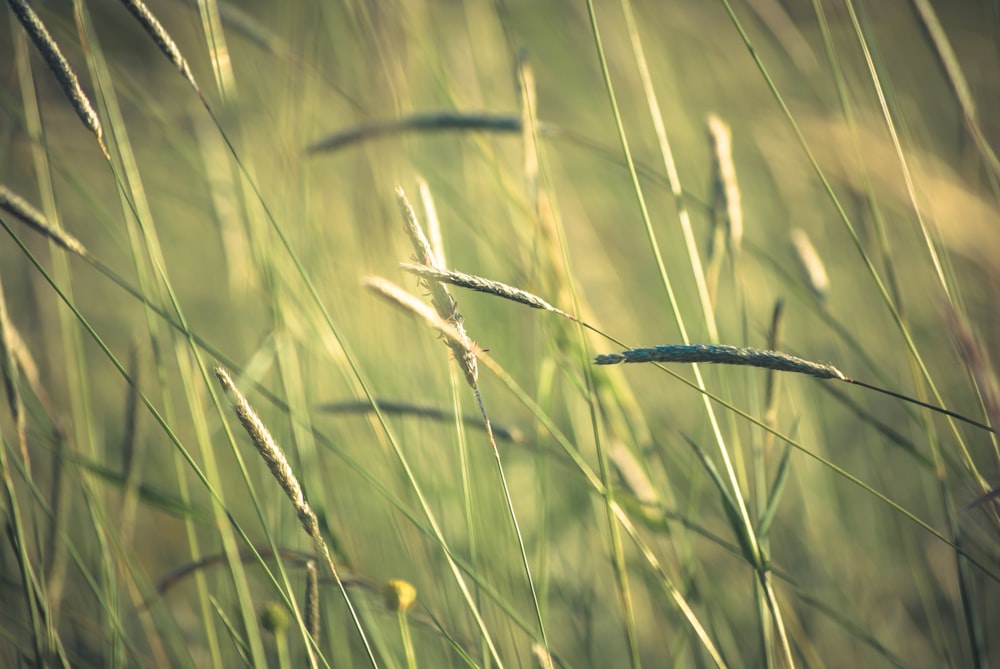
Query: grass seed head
155	29
725	175
67	78
14	204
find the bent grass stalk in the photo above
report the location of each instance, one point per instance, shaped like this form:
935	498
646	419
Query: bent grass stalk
421	309
393	293
491	287
448	310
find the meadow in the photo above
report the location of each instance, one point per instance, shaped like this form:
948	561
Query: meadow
328	332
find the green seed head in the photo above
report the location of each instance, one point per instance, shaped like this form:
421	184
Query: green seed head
274	618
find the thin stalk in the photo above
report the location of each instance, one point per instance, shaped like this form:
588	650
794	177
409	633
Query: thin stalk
746	525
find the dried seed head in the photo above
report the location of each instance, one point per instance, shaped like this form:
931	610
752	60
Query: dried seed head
15	204
47	46
543	659
728	190
809	257
442	300
268	448
155	29
481	285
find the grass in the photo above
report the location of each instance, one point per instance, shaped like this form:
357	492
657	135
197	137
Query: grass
198	188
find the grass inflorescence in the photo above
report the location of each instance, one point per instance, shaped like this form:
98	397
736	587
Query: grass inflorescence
60	67
722	354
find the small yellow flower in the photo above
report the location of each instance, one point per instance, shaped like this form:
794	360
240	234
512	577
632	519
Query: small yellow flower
399	595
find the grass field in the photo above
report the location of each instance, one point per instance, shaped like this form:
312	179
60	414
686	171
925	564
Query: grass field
235	431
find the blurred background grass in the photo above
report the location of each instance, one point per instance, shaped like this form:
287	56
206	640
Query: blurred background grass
282	77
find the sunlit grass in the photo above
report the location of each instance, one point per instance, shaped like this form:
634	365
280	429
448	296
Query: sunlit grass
814	191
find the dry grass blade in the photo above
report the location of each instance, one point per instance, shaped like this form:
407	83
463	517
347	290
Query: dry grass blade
723	355
60	67
8	339
457	340
529	104
155	29
15	204
819	281
434	236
